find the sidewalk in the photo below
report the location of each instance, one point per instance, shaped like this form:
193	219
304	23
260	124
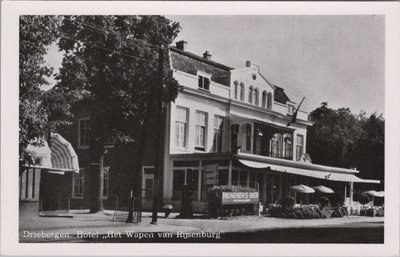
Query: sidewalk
84	224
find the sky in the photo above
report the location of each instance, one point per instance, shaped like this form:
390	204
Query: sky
335	59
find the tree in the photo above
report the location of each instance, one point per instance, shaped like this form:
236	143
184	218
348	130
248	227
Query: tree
332	140
36	33
113	60
340	138
371	147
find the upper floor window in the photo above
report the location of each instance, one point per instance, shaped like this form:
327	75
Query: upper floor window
181	126
83	133
204	82
201	128
264	99
78	183
234	137
287	146
250	94
248	137
269	101
218	130
236	85
299	147
256	96
241	92
276	145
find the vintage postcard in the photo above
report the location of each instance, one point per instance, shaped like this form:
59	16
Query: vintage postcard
200	128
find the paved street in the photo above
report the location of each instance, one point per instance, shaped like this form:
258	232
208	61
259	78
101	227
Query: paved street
83	227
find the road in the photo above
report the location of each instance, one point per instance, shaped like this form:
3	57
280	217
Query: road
371	232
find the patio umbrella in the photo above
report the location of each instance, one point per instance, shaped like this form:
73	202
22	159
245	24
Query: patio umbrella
323	189
375	194
302	189
381	193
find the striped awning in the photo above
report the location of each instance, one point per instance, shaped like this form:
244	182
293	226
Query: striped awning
317	173
59	157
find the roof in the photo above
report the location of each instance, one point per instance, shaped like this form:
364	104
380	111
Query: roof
279	95
191	63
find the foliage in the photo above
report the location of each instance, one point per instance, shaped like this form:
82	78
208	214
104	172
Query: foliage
336	199
340	138
36	34
323	201
287	202
364	199
113	62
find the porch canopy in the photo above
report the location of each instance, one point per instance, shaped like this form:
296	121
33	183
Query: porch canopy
60	157
302	168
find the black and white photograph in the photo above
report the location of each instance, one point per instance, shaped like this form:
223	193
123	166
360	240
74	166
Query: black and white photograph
221	129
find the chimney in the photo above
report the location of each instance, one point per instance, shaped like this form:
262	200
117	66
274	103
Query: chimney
207	55
181	45
248	63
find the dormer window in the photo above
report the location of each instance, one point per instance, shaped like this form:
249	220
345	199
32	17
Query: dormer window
204	83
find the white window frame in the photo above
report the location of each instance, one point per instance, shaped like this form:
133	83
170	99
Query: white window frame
186	123
242	90
196	145
201	75
82	178
302	146
217	130
79	133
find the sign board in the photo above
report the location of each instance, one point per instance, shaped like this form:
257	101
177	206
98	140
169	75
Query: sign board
240	197
211	174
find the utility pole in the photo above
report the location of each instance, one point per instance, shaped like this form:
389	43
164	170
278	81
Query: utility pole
159	142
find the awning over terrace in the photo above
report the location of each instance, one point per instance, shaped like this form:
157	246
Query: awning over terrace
303	169
60	157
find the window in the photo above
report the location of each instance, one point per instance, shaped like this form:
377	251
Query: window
287	146
106	179
181	127
83	133
204	83
269	101
241	92
109	141
299	146
234	137
276	146
236	89
250	94
248	137
256	96
78	183
201	118
189	177
218	130
264	99
148	182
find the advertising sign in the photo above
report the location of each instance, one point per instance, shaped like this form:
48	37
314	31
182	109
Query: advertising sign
240	197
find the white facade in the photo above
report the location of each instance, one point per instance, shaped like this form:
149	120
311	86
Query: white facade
190	138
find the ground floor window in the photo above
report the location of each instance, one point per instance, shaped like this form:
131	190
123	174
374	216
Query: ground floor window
78	183
183	177
148	182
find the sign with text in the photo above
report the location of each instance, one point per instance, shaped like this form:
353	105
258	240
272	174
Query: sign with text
240	197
